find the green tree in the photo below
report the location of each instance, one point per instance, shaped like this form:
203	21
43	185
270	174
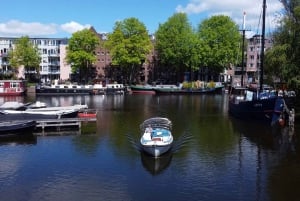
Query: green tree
220	40
129	45
81	52
25	53
283	59
176	44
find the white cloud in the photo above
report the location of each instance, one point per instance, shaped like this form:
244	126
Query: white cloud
18	28
193	8
234	9
72	27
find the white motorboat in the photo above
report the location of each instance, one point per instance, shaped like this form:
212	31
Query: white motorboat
156	137
10	115
13	105
71	107
37	104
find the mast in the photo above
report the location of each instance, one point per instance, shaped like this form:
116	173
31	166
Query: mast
243	46
261	78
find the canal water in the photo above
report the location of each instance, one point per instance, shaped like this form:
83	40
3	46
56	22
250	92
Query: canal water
214	157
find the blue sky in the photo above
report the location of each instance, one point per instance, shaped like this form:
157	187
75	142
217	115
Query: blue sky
60	18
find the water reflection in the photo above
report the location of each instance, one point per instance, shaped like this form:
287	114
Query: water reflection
4	99
28	139
275	138
156	165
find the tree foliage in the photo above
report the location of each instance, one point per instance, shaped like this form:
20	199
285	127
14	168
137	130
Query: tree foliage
220	42
129	45
25	53
176	44
283	59
81	52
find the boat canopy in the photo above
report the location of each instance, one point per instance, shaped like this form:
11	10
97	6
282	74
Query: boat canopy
156	122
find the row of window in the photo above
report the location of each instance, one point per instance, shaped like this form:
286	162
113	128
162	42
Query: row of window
103	53
48	42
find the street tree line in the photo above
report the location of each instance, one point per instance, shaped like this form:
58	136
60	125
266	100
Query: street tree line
215	45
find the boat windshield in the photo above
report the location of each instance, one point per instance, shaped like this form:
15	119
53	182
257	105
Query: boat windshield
156	122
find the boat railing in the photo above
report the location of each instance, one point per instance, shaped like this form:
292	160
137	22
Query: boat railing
155	126
157	122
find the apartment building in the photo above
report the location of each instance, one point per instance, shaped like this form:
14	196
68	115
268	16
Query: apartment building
253	56
103	65
52	52
103	58
53	65
6	44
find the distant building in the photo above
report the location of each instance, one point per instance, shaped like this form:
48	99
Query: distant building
253	56
103	65
251	61
52	52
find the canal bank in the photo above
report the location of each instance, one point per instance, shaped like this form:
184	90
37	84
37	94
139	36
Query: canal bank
222	153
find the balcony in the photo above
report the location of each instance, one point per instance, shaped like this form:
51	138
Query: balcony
54	72
54	63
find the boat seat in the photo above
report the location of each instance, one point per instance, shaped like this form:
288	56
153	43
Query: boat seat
147	136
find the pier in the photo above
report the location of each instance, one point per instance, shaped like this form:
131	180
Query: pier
57	125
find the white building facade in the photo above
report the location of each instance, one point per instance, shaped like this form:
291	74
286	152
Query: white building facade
52	52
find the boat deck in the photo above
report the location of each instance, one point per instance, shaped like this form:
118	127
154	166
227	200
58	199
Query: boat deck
157	132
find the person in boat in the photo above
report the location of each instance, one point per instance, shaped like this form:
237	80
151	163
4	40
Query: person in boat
280	110
149	129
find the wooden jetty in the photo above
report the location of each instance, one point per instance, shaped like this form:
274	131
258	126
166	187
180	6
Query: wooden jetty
58	124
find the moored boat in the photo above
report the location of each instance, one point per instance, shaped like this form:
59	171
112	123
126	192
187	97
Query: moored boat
36	105
14	105
76	107
156	137
11	115
264	107
64	89
150	89
261	103
75	89
12	87
87	114
16	127
190	91
114	89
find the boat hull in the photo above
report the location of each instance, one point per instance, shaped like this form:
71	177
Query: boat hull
188	91
16	127
258	110
87	115
156	150
21	115
142	90
150	89
63	91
